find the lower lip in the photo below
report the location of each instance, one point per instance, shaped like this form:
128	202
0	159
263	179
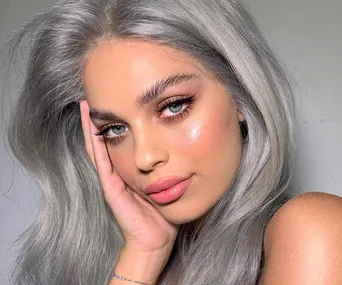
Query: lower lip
172	194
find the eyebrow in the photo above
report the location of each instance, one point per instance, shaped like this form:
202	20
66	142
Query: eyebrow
148	96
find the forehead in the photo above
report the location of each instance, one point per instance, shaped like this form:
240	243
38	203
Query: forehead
131	66
138	54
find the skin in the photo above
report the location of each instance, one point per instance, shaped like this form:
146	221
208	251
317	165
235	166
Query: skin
205	143
302	240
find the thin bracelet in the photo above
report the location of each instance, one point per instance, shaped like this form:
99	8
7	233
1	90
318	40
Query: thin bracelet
130	280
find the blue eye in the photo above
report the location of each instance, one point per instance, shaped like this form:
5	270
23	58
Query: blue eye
175	108
115	130
178	108
112	131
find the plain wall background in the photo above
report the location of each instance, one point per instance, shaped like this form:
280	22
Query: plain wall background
306	35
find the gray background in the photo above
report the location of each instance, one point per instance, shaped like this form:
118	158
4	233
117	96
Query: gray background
307	36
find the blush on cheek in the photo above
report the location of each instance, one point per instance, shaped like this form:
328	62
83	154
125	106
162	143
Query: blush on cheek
202	138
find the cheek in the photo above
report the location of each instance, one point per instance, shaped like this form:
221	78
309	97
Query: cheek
124	165
202	138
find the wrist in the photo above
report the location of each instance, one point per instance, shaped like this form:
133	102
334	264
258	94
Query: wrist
142	266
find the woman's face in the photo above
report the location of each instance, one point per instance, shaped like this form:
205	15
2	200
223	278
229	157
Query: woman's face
152	137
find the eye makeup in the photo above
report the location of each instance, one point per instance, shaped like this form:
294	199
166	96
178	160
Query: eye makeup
184	100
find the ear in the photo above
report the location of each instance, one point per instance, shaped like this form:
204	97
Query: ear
241	116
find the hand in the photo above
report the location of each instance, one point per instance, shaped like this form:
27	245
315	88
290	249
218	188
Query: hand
144	228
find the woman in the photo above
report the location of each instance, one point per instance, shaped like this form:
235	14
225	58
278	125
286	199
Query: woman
162	135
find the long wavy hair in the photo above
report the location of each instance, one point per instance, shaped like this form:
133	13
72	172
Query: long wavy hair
75	238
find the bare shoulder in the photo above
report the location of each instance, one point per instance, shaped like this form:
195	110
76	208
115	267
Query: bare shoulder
303	242
309	212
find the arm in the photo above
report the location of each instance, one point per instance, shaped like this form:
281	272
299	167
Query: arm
303	242
143	267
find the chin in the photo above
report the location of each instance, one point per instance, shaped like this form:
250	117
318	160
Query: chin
180	218
180	221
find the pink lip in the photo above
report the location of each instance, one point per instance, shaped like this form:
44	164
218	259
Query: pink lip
163	184
164	196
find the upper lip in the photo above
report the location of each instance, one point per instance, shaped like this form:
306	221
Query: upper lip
163	184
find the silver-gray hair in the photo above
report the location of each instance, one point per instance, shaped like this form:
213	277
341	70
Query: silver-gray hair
75	239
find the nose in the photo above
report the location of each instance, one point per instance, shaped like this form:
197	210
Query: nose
150	150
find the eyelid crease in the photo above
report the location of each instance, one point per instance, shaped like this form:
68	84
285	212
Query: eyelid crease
107	115
180	99
106	127
162	84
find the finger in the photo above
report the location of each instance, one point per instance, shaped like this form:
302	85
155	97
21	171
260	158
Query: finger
143	201
110	180
84	108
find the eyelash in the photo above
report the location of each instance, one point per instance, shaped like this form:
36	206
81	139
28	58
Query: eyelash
181	99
